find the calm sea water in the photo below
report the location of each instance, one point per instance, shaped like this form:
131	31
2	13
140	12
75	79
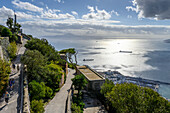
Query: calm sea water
150	58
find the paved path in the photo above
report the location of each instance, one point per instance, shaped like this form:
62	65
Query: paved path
57	104
14	101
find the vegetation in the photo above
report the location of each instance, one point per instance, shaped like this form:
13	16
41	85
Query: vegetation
9	23
130	98
12	49
13	38
69	53
75	108
44	69
14	27
107	87
4	75
1	27
79	82
6	32
37	106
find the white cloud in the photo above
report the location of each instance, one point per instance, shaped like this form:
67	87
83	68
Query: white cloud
96	14
114	12
22	15
5	12
97	28
74	13
156	9
59	1
27	6
90	8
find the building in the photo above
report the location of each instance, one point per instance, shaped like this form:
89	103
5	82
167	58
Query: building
94	79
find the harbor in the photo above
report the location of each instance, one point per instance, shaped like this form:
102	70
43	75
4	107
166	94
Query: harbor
118	78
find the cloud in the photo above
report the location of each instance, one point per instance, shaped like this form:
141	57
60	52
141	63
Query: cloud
51	14
26	6
59	1
95	13
157	9
22	15
90	8
74	13
5	12
79	28
114	12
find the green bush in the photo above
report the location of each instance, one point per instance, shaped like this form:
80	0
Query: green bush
130	98
12	49
75	108
6	32
13	38
37	106
37	90
49	92
4	75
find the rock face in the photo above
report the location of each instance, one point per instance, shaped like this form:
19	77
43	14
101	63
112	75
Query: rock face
4	43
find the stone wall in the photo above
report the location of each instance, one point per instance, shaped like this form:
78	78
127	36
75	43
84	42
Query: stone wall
4	43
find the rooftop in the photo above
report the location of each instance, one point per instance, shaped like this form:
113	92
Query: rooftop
88	73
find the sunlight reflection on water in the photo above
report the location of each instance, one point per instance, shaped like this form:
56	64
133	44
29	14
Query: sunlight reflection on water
149	58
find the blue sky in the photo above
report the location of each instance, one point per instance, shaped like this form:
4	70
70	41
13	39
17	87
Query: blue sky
107	18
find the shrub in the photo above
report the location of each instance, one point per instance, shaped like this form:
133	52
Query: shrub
37	106
12	49
75	108
37	90
13	38
49	92
130	98
6	32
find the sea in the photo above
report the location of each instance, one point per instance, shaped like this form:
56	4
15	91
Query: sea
145	58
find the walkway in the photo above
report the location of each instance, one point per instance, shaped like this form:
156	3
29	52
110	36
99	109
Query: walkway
14	101
57	104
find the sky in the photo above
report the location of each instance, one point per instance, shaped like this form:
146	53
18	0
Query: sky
90	18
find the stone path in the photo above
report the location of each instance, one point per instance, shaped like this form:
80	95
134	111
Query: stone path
14	101
57	104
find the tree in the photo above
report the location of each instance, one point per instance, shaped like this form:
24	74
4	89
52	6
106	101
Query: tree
12	49
37	90
107	87
53	75
17	27
1	27
6	32
37	106
49	92
4	75
79	82
69	53
13	38
130	98
35	62
9	23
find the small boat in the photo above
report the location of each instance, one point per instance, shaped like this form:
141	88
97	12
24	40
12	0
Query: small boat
88	59
125	51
